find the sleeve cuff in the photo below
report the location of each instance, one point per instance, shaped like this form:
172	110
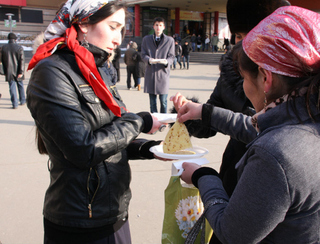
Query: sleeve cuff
201	172
206	114
148	121
145	149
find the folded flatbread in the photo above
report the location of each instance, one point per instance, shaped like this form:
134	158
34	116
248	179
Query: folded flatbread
177	140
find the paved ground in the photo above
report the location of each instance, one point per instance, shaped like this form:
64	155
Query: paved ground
24	176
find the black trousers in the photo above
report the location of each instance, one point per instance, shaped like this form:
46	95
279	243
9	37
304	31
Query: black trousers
121	236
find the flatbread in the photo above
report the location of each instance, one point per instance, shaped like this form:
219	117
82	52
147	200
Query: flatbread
177	139
184	152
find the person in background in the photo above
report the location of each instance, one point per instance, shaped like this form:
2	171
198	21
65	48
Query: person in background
186	49
277	198
131	64
207	43
193	41
178	52
12	58
214	42
226	44
140	68
157	51
83	126
199	42
110	70
116	62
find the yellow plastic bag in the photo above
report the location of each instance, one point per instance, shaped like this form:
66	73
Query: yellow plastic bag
183	207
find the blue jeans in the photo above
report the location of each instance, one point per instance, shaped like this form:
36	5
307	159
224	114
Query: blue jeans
214	48
163	103
193	46
176	59
13	93
186	57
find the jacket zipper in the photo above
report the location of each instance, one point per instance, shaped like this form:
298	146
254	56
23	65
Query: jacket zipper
88	189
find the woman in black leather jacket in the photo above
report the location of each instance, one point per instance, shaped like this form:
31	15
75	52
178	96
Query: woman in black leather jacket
84	127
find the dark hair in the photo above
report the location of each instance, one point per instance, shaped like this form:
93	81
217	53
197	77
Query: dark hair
243	63
243	15
12	36
158	19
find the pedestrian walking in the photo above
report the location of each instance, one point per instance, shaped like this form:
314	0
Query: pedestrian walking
199	42
193	41
178	52
186	49
116	62
207	43
12	58
140	68
131	65
158	52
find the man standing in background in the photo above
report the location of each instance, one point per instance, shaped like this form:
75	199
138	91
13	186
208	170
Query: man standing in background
158	52
214	42
12	58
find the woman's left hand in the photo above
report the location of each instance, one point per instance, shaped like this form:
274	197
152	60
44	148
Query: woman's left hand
188	171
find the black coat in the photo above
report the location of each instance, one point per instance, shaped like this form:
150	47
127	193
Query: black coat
116	58
12	58
186	49
87	144
140	65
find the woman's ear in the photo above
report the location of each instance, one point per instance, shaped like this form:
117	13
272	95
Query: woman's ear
83	28
268	80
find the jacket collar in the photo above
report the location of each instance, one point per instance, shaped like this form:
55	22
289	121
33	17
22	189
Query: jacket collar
100	56
286	114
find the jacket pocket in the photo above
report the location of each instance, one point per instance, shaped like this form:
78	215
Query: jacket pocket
88	94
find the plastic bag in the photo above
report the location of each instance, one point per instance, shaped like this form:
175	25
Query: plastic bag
183	207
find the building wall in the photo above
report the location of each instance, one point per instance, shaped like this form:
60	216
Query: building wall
28	30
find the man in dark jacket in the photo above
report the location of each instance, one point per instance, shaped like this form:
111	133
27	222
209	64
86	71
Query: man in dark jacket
177	52
131	64
186	49
12	57
116	62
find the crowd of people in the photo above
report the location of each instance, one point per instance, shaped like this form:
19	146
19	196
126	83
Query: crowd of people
267	188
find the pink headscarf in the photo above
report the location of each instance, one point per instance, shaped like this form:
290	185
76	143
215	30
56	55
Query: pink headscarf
287	42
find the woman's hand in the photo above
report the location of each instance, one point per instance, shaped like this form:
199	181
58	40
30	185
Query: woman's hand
189	111
178	101
155	125
189	168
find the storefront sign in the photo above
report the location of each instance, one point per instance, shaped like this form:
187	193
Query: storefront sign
188	15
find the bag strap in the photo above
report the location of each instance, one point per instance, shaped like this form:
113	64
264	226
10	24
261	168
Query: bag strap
201	223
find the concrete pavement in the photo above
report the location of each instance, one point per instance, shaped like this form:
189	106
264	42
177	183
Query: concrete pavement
24	176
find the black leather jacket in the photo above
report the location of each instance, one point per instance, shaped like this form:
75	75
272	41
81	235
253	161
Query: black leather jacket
87	145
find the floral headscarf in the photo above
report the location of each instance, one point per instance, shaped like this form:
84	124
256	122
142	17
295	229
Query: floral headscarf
61	32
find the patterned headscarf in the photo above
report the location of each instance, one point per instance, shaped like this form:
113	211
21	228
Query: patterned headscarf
287	42
61	32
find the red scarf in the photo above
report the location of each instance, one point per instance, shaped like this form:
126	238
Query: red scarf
86	63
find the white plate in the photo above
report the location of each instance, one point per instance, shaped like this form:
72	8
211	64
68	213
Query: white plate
199	152
165	118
